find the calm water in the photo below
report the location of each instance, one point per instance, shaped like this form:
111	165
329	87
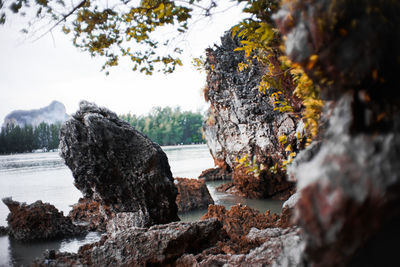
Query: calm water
30	177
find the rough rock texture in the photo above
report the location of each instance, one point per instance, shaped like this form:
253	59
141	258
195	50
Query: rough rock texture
216	174
118	166
38	221
159	245
91	213
238	222
242	122
349	202
192	194
275	242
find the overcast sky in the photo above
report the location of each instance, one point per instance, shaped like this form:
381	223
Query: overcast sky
32	74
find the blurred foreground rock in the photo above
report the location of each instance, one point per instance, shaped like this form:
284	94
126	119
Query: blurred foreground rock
38	221
117	166
192	194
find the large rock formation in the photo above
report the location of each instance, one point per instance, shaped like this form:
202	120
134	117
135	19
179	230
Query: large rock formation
192	194
348	206
53	113
242	121
38	221
118	166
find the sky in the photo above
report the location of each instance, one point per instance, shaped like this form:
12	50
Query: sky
33	74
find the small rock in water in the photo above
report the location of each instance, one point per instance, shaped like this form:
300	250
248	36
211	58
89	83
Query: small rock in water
38	221
192	194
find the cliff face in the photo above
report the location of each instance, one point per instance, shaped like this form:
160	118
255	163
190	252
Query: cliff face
242	121
53	113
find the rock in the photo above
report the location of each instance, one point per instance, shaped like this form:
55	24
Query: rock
349	190
118	166
160	245
3	230
38	221
192	194
91	213
238	221
276	242
216	174
242	123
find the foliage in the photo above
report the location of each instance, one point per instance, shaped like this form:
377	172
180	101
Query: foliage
167	126
16	139
250	165
116	29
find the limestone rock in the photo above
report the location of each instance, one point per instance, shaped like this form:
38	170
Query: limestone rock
159	245
216	174
192	194
118	166
91	213
242	122
38	221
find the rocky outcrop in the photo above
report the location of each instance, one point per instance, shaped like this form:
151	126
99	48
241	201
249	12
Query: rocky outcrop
116	165
160	245
53	113
91	214
276	242
192	194
216	174
38	221
242	122
349	201
238	221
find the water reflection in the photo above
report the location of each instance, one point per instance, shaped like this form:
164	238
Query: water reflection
23	253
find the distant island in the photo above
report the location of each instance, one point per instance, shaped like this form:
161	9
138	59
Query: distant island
51	114
31	130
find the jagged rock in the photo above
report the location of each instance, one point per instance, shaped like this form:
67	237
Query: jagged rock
192	194
238	222
91	214
3	230
159	245
216	174
276	242
242	122
38	221
118	166
349	200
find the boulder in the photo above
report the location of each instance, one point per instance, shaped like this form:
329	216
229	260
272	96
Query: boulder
238	221
242	124
192	194
38	221
275	243
216	174
91	214
119	167
159	245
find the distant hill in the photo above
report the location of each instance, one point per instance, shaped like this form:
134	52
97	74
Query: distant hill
53	113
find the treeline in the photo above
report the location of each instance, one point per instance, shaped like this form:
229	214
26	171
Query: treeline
169	126
16	139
